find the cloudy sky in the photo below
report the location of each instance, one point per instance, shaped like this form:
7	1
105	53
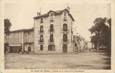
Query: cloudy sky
21	12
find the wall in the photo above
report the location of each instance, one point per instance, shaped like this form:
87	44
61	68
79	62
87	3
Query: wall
58	34
15	38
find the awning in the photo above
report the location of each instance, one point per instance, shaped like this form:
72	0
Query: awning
14	44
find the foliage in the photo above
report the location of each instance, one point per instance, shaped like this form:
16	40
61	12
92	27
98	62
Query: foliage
101	33
7	25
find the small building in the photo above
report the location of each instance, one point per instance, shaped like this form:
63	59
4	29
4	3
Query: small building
79	43
20	40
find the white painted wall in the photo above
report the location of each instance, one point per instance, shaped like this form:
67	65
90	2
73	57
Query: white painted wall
58	34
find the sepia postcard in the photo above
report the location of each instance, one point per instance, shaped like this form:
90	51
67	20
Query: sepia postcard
49	36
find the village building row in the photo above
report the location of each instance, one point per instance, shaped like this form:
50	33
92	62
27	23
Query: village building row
52	33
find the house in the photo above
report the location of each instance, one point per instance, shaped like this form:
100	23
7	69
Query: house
20	40
53	32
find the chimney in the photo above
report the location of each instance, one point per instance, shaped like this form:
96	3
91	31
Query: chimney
38	13
68	8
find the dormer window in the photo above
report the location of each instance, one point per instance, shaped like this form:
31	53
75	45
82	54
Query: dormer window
65	16
51	17
65	13
65	19
51	14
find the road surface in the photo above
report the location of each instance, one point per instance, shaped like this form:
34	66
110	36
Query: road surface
84	60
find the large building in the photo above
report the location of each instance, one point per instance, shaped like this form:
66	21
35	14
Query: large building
53	32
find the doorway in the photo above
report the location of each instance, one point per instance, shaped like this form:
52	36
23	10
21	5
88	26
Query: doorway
64	48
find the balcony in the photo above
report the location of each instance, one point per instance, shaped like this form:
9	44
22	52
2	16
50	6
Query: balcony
65	42
41	33
51	43
65	32
41	42
51	20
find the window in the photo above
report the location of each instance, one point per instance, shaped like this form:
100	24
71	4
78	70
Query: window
65	13
51	14
51	20
51	38
41	29
41	47
75	44
51	47
64	47
41	38
65	37
64	27
65	19
51	28
41	20
28	33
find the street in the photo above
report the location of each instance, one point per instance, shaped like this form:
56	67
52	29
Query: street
84	60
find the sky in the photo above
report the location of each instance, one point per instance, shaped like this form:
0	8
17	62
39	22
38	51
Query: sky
21	12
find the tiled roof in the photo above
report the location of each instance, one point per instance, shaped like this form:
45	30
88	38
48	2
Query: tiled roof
58	12
22	30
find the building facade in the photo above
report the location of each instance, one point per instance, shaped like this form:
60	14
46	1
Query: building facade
53	32
20	40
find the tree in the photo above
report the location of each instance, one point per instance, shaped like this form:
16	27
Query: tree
101	33
7	25
109	22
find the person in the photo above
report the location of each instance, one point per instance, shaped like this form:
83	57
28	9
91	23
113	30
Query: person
29	49
20	51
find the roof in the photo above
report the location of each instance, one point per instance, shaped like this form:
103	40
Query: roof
58	12
22	30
